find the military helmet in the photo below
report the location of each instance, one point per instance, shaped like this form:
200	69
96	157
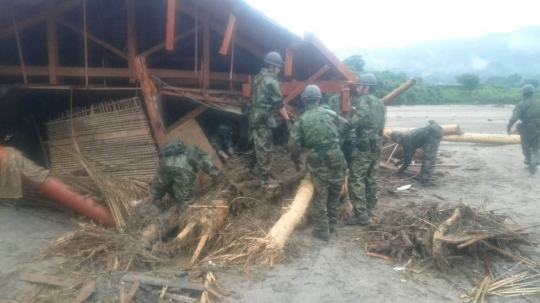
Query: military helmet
224	129
273	58
172	148
527	89
367	79
395	135
311	93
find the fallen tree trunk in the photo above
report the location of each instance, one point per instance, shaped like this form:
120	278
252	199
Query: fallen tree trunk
152	233
268	249
484	138
449	129
203	224
398	91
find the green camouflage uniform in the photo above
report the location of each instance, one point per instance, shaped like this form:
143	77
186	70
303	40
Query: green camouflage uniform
369	118
333	102
222	144
429	138
318	130
265	97
177	171
528	111
347	134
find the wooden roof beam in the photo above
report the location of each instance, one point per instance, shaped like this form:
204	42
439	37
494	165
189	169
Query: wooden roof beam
176	39
31	21
169	34
329	55
92	38
229	31
311	79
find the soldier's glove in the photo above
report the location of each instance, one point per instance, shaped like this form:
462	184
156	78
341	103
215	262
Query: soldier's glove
509	130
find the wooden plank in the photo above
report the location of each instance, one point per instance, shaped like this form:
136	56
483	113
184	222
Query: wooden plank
52	45
162	45
131	36
288	62
345	101
332	59
34	20
192	134
206	50
100	137
169	35
46	279
154	281
85	292
399	90
151	99
21	57
179	298
311	79
85	44
132	292
191	115
228	33
93	38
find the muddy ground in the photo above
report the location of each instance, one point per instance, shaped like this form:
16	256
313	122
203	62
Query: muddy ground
339	271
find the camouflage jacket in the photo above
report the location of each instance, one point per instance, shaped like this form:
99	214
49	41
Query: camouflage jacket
181	168
333	103
528	111
416	138
316	129
347	133
265	96
369	119
219	143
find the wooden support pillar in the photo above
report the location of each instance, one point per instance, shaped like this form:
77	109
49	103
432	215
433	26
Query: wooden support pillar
288	62
21	57
85	44
151	100
345	99
229	32
206	50
311	79
52	44
131	36
169	38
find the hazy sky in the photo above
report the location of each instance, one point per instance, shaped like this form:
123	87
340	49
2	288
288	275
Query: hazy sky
343	24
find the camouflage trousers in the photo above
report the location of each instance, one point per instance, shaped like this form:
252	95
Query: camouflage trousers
175	183
430	149
363	172
262	152
326	169
530	143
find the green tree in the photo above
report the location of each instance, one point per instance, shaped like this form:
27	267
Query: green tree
355	63
469	81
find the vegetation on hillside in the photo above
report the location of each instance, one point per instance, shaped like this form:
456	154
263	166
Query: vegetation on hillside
506	90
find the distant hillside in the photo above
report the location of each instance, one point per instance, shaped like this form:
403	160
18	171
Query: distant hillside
491	55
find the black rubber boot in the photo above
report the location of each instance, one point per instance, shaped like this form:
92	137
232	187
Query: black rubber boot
332	229
321	234
361	219
532	168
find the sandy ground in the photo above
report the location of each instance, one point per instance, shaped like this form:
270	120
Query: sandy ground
338	271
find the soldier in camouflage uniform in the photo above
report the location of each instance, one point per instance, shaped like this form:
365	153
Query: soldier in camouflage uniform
221	141
265	98
332	102
318	129
528	111
347	134
429	138
369	118
178	167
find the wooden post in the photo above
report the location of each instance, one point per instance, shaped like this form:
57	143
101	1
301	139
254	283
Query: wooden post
288	62
206	50
52	44
21	57
151	99
131	36
229	31
345	99
169	38
85	44
398	91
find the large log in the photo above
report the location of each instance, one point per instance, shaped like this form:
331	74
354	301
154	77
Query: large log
268	249
484	138
398	91
450	129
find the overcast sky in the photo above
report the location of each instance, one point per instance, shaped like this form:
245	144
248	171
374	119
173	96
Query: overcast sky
343	24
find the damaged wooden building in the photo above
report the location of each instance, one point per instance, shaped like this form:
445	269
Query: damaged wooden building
124	76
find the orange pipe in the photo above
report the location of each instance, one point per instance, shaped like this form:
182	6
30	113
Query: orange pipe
69	197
